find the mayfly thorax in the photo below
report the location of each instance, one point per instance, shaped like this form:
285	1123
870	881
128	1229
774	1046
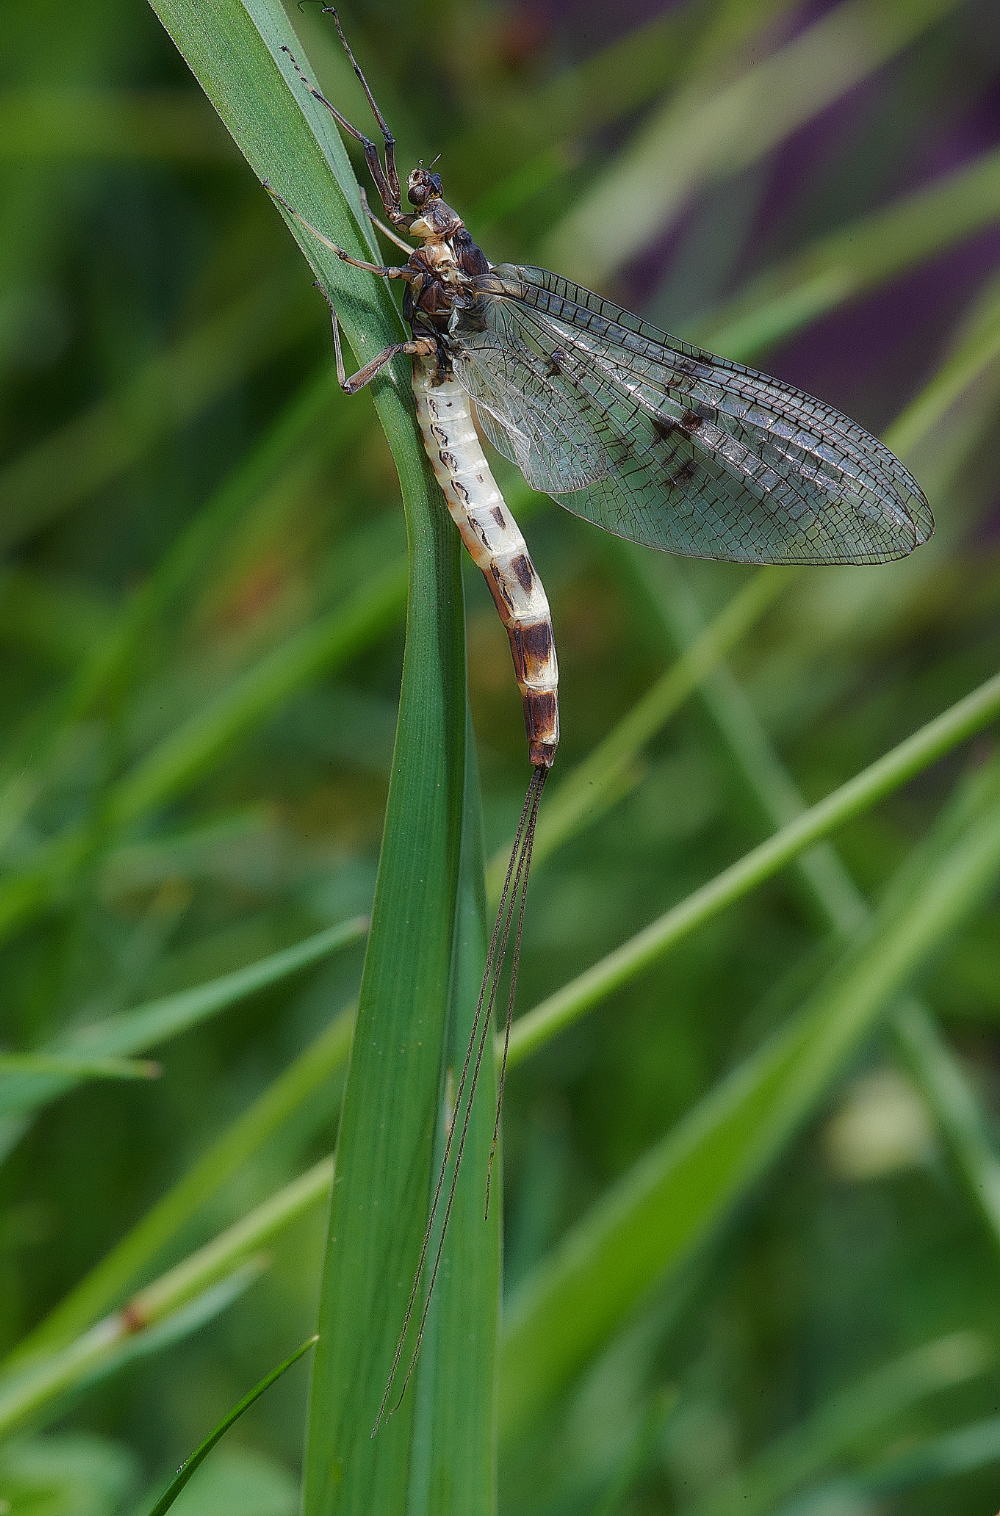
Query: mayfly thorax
646	436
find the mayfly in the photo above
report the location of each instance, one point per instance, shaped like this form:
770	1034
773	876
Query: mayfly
644	435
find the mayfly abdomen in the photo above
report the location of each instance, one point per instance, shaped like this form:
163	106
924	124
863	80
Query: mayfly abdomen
497	547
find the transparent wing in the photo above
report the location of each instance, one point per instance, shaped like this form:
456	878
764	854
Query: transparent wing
657	441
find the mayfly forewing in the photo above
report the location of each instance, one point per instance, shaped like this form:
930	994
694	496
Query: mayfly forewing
684	451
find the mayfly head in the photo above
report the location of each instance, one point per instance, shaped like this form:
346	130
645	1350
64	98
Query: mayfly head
434	219
422	186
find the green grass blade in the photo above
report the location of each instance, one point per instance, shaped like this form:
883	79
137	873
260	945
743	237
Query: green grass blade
200	1453
939	1075
973	357
289	139
166	1017
393	1097
960	1451
108	663
880	779
146	1025
956	1108
252	697
65	1066
617	79
42	1397
187	558
964	1450
455	1430
675	1198
393	1102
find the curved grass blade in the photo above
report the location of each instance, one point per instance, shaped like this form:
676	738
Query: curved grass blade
937	1071
187	557
65	1066
393	1096
514	140
959	1451
251	697
184	755
463	1322
200	1453
963	1450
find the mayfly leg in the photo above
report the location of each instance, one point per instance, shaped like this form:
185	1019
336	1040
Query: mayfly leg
388	139
386	179
418	347
384	270
415	348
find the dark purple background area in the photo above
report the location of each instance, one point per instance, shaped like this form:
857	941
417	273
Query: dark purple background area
931	109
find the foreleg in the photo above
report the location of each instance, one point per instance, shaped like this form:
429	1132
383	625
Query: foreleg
384	271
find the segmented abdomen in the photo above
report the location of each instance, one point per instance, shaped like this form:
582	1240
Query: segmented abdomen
496	545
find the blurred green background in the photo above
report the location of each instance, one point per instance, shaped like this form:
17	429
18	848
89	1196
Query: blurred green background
201	628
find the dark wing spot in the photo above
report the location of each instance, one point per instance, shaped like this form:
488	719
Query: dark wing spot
684	474
523	572
690	422
663	427
498	516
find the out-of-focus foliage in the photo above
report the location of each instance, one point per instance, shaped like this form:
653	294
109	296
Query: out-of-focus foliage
778	1179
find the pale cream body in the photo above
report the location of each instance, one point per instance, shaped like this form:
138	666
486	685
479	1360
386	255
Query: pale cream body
497	547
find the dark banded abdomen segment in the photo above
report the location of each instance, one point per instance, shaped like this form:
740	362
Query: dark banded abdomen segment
497	547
